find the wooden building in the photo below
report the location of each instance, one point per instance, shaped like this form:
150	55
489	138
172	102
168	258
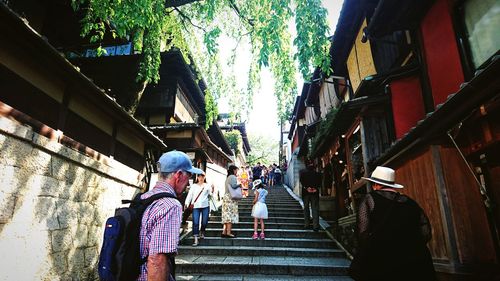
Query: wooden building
174	108
42	89
226	125
178	97
423	101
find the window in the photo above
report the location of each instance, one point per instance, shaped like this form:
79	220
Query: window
355	155
481	21
392	51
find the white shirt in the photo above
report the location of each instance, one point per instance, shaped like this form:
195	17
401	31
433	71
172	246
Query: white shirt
195	189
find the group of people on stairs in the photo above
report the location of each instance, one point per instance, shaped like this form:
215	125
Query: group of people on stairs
393	229
230	206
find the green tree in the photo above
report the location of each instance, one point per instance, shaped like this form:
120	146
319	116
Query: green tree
264	150
234	140
160	25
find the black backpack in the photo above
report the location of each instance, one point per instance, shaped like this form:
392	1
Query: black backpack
120	258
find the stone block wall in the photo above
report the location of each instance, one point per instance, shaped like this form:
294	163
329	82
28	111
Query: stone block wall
345	233
53	204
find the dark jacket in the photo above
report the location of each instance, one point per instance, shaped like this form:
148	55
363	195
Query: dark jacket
393	233
310	178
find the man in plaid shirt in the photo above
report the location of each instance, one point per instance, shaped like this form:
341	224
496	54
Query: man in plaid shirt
159	236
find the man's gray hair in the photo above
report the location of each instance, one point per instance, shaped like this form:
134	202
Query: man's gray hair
165	175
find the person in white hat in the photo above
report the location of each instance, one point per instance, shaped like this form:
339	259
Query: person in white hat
392	234
259	209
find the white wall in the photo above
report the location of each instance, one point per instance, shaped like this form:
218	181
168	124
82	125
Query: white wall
216	175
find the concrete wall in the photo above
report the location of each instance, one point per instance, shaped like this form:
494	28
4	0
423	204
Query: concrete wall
53	204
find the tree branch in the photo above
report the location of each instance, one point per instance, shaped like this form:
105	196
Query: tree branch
235	8
178	3
238	42
189	19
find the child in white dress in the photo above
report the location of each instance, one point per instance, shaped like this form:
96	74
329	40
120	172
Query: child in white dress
259	210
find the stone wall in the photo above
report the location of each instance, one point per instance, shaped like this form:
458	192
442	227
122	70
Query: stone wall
53	204
345	233
292	174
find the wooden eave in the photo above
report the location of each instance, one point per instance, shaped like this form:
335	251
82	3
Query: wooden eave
393	15
242	128
217	137
294	117
16	30
346	115
350	20
192	127
312	95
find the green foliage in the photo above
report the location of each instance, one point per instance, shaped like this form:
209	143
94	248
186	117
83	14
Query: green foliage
234	140
263	24
264	150
325	129
312	45
211	107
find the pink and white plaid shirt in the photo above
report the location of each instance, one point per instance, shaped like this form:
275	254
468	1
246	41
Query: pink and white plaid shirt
160	226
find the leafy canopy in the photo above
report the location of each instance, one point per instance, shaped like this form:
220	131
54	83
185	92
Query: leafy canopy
234	140
196	28
264	150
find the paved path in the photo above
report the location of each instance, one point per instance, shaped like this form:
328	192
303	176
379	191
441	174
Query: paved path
288	253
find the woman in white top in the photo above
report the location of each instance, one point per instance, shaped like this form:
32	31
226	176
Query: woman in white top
198	196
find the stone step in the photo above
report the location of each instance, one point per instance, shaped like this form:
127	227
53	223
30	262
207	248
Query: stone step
257	251
271	201
269	225
275	208
274	219
270	233
275	205
275	213
268	242
272	196
214	264
257	277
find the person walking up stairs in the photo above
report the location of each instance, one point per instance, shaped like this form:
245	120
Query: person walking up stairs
288	251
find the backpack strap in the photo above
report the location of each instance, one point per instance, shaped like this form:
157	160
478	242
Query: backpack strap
146	202
198	195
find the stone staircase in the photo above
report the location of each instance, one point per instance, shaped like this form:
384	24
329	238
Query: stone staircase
288	253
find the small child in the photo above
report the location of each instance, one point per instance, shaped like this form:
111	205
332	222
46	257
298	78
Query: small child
259	210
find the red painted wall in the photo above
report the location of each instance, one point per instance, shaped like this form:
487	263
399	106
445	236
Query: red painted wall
441	52
295	141
407	104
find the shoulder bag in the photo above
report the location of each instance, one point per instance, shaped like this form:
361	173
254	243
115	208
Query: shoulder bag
235	193
189	209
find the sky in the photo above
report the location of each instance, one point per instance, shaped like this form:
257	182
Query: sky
263	119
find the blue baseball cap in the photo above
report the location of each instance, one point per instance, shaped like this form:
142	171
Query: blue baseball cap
173	161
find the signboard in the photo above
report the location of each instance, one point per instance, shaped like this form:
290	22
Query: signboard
120	50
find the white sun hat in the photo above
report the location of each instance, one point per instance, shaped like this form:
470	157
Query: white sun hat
256	182
384	176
